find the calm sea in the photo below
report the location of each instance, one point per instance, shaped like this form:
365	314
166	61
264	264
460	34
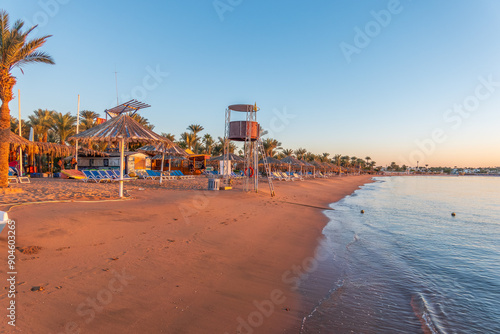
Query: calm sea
406	265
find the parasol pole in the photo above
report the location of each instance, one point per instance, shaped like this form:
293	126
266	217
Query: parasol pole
77	128
20	149
122	154
162	159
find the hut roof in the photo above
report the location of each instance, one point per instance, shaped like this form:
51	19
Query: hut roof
231	157
17	141
55	149
118	128
292	161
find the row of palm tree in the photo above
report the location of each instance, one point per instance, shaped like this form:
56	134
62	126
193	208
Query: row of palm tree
206	144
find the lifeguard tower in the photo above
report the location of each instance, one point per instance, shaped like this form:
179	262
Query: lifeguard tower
247	131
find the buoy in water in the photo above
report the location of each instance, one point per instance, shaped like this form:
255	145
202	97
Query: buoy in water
453	214
362	211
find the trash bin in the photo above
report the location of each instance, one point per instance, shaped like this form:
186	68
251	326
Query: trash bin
213	184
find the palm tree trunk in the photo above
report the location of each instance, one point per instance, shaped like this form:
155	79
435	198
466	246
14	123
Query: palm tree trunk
4	144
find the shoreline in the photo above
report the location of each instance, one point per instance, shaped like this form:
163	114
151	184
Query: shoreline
171	261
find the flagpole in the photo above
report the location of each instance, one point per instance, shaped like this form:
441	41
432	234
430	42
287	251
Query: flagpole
77	129
20	150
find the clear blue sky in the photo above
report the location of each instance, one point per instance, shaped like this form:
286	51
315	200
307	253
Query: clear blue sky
396	84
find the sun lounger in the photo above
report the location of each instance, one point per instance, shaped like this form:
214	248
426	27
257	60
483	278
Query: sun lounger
100	178
141	174
126	177
181	175
153	174
279	176
12	177
297	176
89	176
110	175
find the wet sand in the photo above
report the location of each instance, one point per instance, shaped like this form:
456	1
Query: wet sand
166	260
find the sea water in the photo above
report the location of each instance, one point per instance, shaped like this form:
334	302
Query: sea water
407	265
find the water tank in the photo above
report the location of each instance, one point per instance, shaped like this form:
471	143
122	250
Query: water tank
238	130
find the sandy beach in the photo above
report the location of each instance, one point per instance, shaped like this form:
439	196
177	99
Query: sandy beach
173	258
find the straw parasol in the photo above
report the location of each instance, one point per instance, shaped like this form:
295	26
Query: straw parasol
163	152
229	156
271	161
17	141
121	129
292	161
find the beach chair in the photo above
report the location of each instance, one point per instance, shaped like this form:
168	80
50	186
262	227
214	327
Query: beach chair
14	173
279	176
88	176
12	178
109	174
181	175
97	176
106	176
297	177
126	177
141	174
152	174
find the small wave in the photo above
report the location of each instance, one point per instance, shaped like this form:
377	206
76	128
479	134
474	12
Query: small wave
421	310
354	239
332	294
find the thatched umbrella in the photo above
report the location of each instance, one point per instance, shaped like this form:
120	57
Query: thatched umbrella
120	129
292	161
229	156
172	151
18	142
271	161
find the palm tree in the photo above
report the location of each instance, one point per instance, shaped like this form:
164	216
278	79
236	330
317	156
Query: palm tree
41	122
88	119
337	159
309	156
345	161
287	152
15	52
14	127
299	153
64	126
219	147
324	157
353	161
195	128
189	139
169	136
270	145
208	143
